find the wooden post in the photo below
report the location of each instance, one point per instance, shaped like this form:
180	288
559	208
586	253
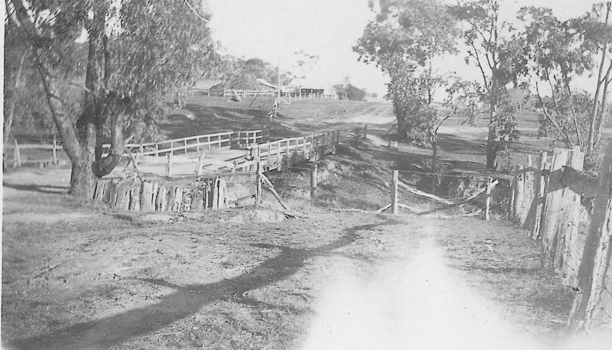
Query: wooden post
394	193
316	149
215	194
540	187
141	149
157	149
258	184
198	170
518	193
323	144
16	155
552	216
185	146
488	200
169	164
279	156
146	197
54	150
313	181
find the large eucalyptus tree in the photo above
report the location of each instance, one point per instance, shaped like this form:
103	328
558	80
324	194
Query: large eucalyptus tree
139	54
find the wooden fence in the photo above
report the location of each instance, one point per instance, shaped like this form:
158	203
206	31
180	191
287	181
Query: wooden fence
286	152
234	139
201	191
210	192
12	154
552	200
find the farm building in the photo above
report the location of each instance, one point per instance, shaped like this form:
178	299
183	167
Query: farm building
309	89
203	85
245	86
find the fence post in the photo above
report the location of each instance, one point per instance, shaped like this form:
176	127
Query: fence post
279	156
518	194
313	181
540	187
394	193
323	144
54	150
488	200
198	170
169	164
16	156
258	183
553	210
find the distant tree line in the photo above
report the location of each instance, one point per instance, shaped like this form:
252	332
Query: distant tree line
535	65
348	91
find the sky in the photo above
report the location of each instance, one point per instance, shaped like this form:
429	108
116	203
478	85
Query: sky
274	30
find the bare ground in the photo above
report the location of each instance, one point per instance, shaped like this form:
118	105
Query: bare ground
80	276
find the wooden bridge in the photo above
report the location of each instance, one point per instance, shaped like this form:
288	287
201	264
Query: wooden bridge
226	152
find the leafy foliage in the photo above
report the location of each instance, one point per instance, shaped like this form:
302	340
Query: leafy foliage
401	41
139	54
500	61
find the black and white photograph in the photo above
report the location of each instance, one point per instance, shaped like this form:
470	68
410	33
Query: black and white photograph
306	175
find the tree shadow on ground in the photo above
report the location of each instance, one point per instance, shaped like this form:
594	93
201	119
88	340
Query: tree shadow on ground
39	188
210	120
185	300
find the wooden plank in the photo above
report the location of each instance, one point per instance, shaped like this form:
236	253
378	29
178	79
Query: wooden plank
146	198
579	182
465	201
552	212
593	304
135	194
273	191
540	190
569	245
177	203
222	195
215	194
488	200
423	194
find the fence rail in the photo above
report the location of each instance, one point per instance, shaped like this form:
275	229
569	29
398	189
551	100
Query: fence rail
195	144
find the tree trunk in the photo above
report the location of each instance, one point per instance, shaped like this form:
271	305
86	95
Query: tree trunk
601	121
492	146
434	164
402	126
594	111
82	179
8	118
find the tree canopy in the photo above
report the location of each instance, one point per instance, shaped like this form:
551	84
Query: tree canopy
139	54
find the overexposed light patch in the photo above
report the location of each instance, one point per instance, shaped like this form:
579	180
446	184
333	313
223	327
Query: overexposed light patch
418	304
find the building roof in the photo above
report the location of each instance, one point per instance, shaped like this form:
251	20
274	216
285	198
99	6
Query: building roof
266	83
205	84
